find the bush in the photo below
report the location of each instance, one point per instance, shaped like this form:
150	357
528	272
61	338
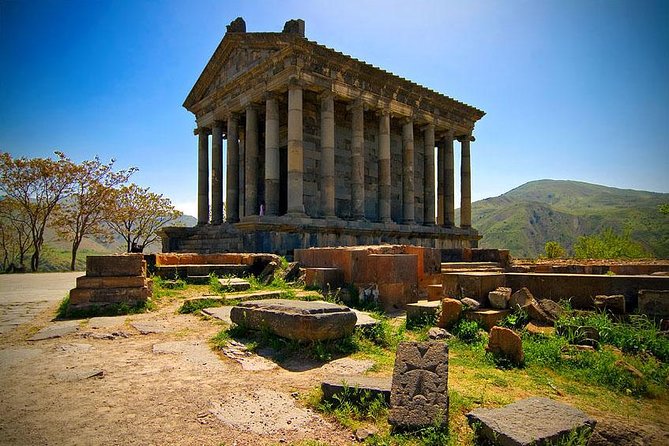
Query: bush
467	331
609	245
554	250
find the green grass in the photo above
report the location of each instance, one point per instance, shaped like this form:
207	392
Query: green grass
195	305
277	284
166	288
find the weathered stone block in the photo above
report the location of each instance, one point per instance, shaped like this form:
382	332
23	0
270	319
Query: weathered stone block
615	303
531	421
108	295
423	309
116	265
477	285
323	277
488	318
520	298
504	342
451	309
654	302
297	320
499	298
419	395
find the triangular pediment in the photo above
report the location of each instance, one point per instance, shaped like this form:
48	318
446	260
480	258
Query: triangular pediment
236	54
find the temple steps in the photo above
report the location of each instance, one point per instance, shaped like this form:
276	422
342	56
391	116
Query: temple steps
460	267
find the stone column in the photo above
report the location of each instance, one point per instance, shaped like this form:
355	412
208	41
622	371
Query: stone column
251	166
358	161
465	183
295	152
408	210
242	171
232	184
384	167
449	182
428	207
441	183
217	173
203	176
327	155
272	158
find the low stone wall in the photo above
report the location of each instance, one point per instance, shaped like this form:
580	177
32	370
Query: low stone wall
111	280
171	265
589	267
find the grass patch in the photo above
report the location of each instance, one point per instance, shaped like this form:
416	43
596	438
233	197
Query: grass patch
167	288
354	405
468	332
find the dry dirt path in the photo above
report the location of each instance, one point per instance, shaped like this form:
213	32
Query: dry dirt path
107	383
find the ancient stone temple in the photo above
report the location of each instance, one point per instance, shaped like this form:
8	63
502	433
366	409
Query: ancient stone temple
300	145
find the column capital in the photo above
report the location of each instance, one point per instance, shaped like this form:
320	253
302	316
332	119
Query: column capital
295	82
406	120
326	94
428	127
446	134
204	130
218	124
463	138
357	103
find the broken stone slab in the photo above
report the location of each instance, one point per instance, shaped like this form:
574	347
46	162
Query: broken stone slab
248	360
78	375
149	327
364	320
551	308
528	422
423	309
323	277
419	392
74	348
435	292
234	284
253	296
488	318
294	319
451	310
347	366
437	333
266	276
375	386
614	303
499	297
291	273
504	342
544	311
220	313
55	330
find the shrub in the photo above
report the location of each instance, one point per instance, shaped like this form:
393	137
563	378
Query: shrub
554	250
608	245
467	331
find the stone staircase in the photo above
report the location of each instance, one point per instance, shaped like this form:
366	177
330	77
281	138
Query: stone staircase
460	267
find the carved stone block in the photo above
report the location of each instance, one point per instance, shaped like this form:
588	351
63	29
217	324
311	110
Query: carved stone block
419	394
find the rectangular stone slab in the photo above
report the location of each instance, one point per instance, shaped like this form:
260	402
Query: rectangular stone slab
295	319
372	384
532	421
419	395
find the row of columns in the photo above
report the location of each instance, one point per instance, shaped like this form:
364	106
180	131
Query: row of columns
445	212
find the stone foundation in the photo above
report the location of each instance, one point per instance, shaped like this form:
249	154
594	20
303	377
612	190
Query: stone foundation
282	235
111	280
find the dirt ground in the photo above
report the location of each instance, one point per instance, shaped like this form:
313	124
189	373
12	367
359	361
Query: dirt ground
106	383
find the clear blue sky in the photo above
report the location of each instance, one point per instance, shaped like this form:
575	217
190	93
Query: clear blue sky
573	89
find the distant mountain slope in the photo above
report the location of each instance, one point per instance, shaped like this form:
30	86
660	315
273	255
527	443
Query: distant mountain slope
525	218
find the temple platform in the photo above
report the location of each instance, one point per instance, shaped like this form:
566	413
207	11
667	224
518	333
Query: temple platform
283	234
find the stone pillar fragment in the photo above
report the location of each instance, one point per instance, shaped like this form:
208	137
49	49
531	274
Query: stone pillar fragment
408	211
251	166
449	185
232	184
327	155
295	152
217	173
203	177
358	161
272	157
465	183
428	207
384	167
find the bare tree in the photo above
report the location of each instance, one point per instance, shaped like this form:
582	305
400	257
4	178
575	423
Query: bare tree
138	214
85	211
36	185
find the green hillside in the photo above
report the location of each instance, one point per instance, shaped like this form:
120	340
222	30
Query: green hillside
525	218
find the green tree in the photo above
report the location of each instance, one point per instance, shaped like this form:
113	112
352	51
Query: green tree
15	235
36	186
89	206
609	245
137	214
554	250
664	208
